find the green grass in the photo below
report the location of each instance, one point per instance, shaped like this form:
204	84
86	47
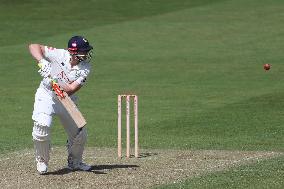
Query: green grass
195	64
266	174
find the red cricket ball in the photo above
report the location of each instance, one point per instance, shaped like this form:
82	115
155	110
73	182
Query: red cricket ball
266	66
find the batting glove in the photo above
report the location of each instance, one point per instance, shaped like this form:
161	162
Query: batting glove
48	81
45	68
54	80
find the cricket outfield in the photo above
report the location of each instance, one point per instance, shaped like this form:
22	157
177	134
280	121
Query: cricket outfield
196	65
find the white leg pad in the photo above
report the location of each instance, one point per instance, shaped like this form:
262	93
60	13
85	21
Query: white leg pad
41	140
76	147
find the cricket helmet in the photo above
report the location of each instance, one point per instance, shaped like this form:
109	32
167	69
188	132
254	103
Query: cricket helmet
78	45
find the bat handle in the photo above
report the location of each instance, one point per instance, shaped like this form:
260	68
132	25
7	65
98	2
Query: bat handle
57	90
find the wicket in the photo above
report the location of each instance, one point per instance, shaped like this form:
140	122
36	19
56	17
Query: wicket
135	105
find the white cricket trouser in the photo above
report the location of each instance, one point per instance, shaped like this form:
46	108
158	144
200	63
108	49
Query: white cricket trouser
46	106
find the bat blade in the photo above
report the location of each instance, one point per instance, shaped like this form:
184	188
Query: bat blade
72	110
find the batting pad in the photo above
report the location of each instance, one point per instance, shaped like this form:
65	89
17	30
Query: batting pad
41	142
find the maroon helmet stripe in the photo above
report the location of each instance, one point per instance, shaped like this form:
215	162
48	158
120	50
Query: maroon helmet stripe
72	49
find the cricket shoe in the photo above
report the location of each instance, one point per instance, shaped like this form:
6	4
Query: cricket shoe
79	167
41	166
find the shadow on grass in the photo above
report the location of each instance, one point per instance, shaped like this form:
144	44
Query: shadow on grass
97	169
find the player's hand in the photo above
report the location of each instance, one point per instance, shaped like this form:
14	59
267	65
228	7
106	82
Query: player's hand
54	81
49	82
45	68
56	88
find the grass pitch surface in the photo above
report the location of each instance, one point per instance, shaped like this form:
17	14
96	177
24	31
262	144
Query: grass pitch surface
195	65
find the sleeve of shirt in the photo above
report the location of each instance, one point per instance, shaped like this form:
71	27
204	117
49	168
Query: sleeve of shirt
84	72
49	52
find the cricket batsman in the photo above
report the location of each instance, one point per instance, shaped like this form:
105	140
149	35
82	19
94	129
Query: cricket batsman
76	61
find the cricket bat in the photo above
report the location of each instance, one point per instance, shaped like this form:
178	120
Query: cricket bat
58	71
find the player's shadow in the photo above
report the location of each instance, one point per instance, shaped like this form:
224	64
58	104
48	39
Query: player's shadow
102	169
97	169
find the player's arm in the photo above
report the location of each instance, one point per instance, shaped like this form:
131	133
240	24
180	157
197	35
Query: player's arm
37	51
72	87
